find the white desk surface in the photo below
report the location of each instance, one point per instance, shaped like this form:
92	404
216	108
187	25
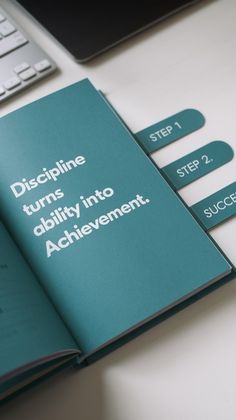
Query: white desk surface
185	368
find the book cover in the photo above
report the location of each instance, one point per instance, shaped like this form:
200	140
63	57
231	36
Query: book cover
108	240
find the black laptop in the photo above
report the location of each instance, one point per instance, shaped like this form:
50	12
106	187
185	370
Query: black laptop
87	28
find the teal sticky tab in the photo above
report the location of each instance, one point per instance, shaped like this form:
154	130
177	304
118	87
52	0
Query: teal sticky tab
194	165
217	207
169	130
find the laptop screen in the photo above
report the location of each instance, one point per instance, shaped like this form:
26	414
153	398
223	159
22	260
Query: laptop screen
88	28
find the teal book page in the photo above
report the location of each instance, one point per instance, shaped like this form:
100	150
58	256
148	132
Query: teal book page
108	238
31	330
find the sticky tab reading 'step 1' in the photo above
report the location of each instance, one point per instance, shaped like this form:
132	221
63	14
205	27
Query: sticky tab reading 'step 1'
169	130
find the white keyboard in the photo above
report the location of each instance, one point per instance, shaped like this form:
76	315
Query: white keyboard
22	61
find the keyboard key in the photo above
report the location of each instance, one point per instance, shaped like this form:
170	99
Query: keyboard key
2	91
18	54
21	67
11	43
2	18
12	83
42	65
6	28
28	74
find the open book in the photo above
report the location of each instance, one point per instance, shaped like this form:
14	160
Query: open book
94	243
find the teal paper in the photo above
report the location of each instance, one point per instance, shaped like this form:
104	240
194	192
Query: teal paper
30	328
124	268
217	207
194	165
169	130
